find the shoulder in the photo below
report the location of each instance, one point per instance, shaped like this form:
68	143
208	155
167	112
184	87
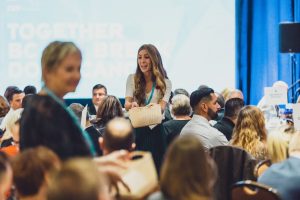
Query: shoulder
168	81
131	77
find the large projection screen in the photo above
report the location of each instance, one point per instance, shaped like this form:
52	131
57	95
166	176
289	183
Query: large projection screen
195	37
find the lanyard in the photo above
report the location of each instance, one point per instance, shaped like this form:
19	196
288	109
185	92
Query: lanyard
74	118
151	95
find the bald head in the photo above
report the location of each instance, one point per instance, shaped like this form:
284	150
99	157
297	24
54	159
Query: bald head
118	135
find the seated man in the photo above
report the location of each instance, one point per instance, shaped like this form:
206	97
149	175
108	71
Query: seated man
285	176
14	97
227	123
118	135
204	104
99	92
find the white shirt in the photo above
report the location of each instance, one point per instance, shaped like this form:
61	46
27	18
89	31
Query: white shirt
130	88
208	135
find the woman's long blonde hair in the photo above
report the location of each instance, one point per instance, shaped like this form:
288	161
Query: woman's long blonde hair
188	173
250	132
278	142
158	74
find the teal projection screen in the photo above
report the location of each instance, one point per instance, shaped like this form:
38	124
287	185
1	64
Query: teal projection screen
195	37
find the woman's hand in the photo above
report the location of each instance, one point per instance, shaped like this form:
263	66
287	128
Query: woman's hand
129	103
134	104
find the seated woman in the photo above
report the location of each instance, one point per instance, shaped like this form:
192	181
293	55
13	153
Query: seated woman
181	111
109	108
250	132
278	142
188	173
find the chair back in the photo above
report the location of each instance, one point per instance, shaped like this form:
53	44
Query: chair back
261	167
251	190
234	164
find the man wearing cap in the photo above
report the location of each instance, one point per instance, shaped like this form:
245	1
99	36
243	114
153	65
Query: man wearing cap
204	104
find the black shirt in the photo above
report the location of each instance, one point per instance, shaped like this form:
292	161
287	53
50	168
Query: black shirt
172	129
225	126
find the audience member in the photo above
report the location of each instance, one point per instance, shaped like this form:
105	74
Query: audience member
6	176
181	110
4	108
149	84
202	87
168	114
285	176
79	179
46	120
227	123
14	97
118	135
77	108
30	89
188	173
10	139
181	91
250	132
225	92
31	170
109	108
235	94
99	92
94	134
221	102
27	100
278	141
205	106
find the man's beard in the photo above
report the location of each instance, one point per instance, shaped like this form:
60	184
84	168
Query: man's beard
213	115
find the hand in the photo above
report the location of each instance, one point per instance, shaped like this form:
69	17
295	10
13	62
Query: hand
113	165
134	104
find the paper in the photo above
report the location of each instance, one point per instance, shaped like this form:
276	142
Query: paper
275	96
296	116
83	117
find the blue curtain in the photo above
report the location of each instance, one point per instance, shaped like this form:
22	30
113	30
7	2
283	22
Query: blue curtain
258	60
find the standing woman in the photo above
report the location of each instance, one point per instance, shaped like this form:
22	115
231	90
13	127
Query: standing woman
149	84
46	120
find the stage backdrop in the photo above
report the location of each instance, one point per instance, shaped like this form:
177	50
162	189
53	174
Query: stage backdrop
195	37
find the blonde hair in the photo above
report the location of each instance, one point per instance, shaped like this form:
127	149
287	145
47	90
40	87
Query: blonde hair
225	92
294	145
54	53
250	132
277	143
188	173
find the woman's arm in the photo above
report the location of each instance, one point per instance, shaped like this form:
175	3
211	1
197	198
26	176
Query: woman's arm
163	105
167	95
129	103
